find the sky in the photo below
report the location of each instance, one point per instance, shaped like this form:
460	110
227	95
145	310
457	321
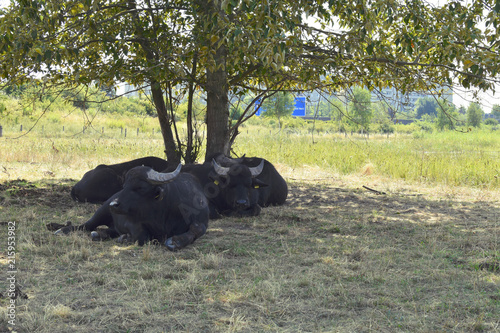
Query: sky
460	96
487	99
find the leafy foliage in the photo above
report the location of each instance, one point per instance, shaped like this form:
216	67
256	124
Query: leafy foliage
491	121
331	107
427	105
447	115
279	105
474	115
495	111
242	46
360	108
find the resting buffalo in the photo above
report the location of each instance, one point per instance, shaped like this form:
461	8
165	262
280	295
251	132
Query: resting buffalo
240	187
276	191
168	207
99	184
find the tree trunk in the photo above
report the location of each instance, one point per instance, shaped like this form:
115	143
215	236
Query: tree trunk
217	106
165	122
191	151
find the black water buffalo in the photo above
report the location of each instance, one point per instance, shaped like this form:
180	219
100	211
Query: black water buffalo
240	187
168	207
99	184
276	191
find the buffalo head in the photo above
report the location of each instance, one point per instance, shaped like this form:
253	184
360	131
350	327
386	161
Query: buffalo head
142	187
236	185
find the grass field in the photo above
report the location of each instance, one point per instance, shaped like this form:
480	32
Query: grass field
452	158
422	257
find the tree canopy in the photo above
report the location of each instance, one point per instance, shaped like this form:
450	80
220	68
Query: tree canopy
474	115
427	105
495	111
447	115
279	105
234	47
360	108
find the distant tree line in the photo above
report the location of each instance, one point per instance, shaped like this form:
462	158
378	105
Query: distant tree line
353	111
357	111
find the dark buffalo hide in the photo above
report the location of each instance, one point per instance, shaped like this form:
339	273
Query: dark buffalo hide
276	191
239	187
99	184
168	207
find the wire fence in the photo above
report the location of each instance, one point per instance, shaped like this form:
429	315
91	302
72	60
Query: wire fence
21	130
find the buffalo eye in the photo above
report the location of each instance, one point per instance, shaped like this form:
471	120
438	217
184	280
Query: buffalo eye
158	193
222	181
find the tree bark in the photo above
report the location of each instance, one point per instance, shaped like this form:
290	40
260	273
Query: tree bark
191	151
217	106
165	124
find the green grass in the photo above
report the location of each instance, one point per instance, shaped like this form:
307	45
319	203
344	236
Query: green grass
449	158
453	158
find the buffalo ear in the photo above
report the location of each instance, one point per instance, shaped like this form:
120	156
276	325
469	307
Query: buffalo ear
256	183
219	180
212	177
159	193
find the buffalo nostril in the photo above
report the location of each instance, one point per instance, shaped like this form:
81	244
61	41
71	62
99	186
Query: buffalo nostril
241	202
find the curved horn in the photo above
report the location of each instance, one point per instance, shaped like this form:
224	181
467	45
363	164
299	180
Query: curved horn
258	169
156	177
223	159
221	171
239	159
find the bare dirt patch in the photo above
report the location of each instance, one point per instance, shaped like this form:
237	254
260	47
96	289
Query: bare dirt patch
54	194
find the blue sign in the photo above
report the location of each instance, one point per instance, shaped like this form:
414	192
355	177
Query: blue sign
259	110
298	111
300	107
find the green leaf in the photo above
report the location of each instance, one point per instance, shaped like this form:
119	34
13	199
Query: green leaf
369	49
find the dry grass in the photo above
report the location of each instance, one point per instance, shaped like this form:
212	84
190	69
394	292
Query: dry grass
335	258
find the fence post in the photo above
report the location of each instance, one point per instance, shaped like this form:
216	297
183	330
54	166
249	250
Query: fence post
137	132
125	132
21	128
102	130
121	132
1	131
63	128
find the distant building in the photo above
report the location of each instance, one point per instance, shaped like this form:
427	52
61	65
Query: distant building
131	90
406	102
